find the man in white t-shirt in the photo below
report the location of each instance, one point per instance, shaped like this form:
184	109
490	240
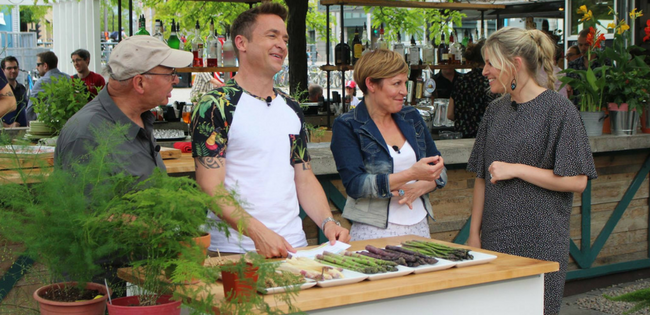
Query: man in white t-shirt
260	132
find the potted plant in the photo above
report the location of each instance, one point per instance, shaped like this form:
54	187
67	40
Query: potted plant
60	99
628	78
590	82
49	217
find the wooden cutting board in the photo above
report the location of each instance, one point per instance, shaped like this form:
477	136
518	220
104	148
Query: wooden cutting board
170	153
18	156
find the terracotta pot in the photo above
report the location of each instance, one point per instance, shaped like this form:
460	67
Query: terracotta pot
204	242
130	305
90	307
236	288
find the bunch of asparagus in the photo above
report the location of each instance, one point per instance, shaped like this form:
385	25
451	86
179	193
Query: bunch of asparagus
438	250
356	262
399	256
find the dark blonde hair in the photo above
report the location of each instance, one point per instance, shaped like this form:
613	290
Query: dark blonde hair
533	46
378	65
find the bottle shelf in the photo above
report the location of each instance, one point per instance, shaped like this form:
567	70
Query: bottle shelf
337	68
440	67
208	69
415	4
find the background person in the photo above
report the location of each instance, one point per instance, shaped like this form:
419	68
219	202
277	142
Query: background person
385	155
572	53
315	92
16	118
471	94
252	138
531	154
93	81
46	65
351	94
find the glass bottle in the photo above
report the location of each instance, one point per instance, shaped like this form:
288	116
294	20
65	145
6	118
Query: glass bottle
357	47
414	53
142	30
197	46
381	43
214	48
342	54
443	52
399	46
229	59
452	49
173	40
427	54
159	32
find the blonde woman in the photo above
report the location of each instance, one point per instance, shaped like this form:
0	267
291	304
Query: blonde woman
385	154
531	154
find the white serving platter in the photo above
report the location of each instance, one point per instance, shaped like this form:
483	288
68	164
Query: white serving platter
309	283
442	264
401	271
479	258
349	278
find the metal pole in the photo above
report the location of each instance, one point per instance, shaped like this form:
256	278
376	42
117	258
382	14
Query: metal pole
119	21
130	17
327	60
344	106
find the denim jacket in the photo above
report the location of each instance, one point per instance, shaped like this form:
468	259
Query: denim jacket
364	162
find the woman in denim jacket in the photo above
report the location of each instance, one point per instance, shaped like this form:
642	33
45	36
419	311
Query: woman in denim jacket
385	155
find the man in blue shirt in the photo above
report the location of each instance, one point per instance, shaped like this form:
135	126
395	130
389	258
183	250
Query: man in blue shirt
11	70
46	63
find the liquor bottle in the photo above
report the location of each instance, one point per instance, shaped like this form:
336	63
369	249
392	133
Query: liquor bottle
466	38
159	32
173	40
459	52
428	54
142	30
399	46
381	43
197	46
443	52
452	49
357	47
342	54
214	47
366	49
414	53
229	58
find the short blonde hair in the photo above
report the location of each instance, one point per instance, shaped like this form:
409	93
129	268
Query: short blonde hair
378	65
533	46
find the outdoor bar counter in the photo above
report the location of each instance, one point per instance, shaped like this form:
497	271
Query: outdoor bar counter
506	285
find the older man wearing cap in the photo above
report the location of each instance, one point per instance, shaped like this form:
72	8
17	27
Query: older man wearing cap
141	74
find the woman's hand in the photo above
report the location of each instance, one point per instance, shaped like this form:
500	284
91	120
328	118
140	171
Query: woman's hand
474	240
410	192
501	171
428	168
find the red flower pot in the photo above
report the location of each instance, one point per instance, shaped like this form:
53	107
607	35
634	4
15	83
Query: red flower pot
130	305
237	288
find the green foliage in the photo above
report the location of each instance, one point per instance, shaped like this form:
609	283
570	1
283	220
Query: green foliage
61	98
317	20
641	297
442	22
33	13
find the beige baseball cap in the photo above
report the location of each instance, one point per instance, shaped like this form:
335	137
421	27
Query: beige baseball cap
140	53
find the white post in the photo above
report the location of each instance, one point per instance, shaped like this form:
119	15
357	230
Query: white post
15	18
76	25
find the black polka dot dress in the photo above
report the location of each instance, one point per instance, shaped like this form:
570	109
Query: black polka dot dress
520	218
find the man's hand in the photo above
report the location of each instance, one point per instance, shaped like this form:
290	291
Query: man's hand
269	244
334	233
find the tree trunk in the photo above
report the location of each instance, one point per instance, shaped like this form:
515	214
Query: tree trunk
296	27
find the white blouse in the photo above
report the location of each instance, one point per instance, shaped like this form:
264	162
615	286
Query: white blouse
401	214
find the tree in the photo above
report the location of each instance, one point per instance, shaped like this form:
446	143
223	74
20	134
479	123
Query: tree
296	27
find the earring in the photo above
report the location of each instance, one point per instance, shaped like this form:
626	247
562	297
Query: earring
513	84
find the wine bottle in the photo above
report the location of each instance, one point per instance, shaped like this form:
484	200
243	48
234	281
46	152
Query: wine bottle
214	48
197	46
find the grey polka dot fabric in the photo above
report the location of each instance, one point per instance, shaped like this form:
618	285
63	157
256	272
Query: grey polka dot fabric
520	218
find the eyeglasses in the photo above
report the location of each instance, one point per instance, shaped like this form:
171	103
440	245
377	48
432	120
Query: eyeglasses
173	75
38	64
12	68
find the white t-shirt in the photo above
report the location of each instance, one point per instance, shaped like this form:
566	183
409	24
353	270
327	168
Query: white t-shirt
259	170
401	214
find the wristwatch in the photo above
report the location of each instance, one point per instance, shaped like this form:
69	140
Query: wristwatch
328	219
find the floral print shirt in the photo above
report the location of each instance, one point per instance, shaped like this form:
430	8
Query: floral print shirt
471	96
213	116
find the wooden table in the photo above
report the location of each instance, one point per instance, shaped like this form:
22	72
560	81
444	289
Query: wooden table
507	285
